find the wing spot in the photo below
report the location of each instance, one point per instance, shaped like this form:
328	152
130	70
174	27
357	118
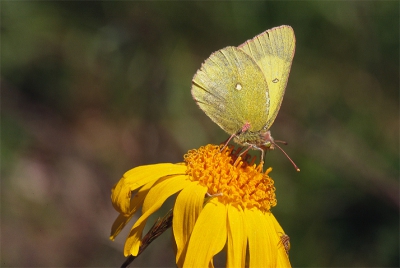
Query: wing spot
238	86
276	80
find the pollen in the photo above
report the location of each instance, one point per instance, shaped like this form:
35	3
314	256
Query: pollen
230	178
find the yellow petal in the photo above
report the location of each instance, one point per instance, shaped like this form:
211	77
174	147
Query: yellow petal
283	258
237	238
188	205
135	204
262	250
154	199
137	177
208	236
276	224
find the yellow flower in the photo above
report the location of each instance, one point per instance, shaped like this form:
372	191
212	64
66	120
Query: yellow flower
222	201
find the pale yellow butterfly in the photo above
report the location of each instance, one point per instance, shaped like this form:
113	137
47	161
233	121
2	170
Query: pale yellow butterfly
241	88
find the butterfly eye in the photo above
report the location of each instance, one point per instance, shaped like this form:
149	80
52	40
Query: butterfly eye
238	86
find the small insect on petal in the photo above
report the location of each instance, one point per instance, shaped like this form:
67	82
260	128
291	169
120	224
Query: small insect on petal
285	241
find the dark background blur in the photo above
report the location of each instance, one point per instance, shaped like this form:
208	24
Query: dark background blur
92	89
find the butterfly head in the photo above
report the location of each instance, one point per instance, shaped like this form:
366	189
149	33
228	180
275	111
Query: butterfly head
260	140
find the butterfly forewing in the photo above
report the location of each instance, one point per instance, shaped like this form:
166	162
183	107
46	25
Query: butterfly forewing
231	89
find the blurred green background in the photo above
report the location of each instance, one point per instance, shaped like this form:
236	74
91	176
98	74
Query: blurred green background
92	89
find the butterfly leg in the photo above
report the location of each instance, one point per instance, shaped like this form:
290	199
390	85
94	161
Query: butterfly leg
260	149
245	127
242	153
252	146
227	141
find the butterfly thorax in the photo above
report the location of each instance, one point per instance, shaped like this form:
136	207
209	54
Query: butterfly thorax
260	140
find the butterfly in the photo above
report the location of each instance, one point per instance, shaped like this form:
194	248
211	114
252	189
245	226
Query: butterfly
241	88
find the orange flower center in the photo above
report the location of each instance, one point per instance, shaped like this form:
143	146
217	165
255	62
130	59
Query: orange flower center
230	179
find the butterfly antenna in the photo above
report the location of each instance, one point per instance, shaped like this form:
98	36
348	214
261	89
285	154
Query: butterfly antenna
295	166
